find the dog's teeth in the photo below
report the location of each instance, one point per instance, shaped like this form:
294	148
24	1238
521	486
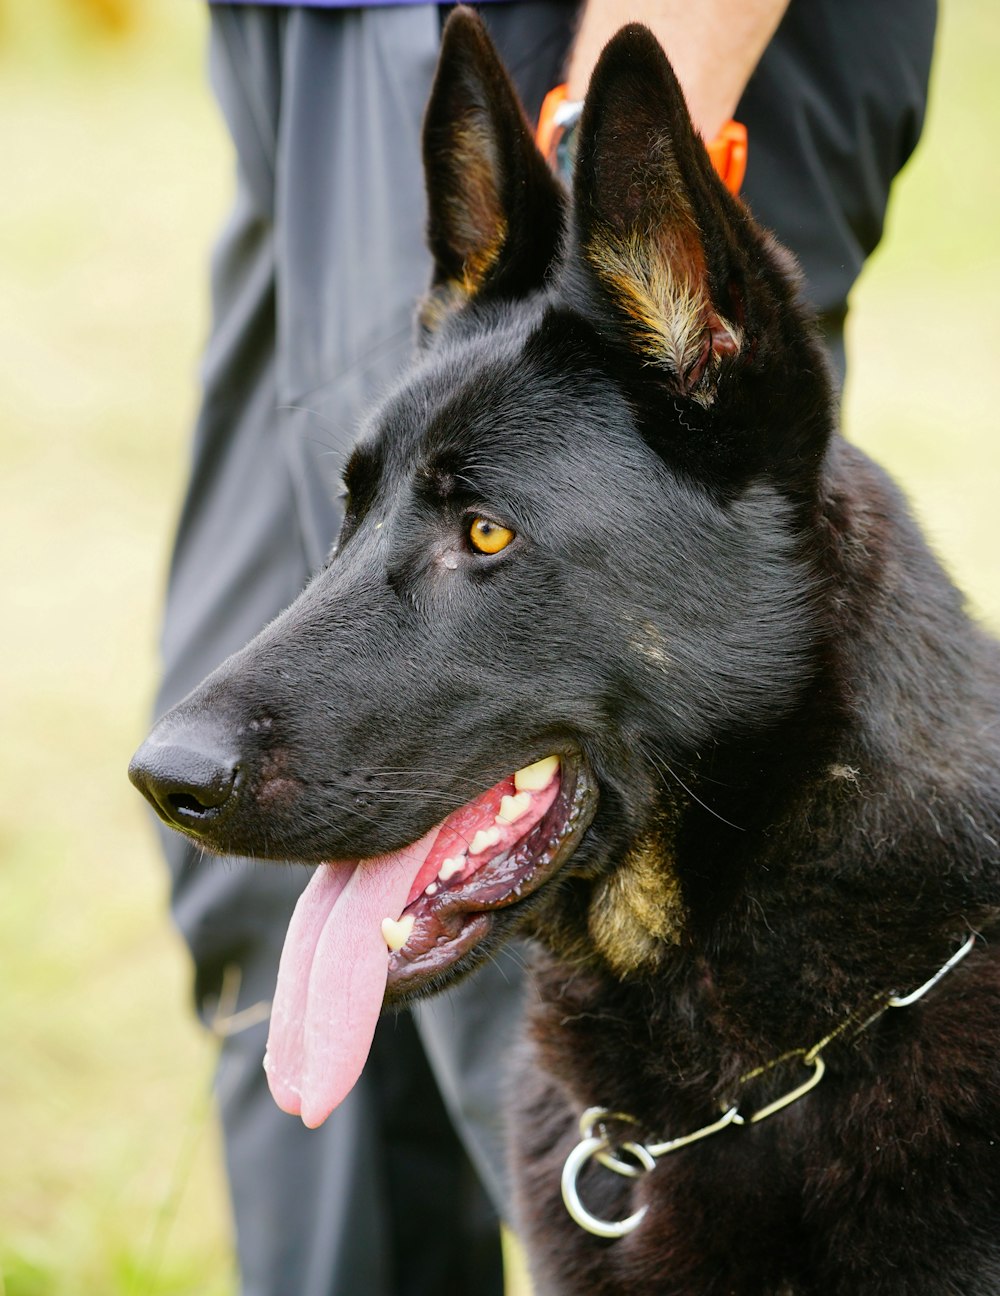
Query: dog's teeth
483	840
449	867
513	807
431	889
533	778
396	934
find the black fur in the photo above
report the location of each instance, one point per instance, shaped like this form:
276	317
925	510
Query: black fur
726	612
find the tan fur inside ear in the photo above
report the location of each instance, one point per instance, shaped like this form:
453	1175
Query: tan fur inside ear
638	909
649	255
659	283
477	226
439	303
481	260
476	217
666	306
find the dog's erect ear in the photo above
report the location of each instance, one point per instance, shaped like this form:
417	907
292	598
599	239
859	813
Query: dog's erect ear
653	221
495	210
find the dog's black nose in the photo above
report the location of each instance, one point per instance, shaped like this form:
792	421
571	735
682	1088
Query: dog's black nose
188	788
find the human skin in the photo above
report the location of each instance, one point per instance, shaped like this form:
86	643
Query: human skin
714	46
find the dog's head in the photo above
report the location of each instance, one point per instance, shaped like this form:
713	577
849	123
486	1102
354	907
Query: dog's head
571	569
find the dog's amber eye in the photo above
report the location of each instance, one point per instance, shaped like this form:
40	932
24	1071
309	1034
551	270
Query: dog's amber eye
488	537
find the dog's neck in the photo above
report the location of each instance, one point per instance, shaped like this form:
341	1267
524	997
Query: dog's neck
808	849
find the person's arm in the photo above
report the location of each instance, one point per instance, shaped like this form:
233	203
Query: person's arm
714	46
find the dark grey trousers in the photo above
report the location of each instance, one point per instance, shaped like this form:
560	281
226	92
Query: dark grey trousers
314	281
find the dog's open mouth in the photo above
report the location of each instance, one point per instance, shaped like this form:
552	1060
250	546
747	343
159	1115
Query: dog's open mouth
403	919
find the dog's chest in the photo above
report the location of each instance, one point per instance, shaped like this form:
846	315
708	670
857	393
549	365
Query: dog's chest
805	1202
726	1205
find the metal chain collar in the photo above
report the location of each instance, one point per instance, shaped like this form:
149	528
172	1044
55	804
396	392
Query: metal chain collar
596	1142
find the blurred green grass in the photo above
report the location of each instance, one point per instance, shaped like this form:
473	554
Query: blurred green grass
116	174
119	173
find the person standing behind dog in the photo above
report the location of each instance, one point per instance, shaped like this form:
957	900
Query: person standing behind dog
314	283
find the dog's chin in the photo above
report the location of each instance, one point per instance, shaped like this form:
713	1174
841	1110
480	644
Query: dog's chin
456	923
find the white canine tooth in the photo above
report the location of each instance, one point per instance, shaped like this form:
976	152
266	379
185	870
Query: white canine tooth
396	934
533	778
449	867
513	807
431	889
483	840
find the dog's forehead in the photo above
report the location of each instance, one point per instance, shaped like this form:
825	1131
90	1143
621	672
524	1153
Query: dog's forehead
503	404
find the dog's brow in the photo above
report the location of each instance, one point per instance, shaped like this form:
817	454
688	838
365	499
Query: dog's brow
363	471
437	479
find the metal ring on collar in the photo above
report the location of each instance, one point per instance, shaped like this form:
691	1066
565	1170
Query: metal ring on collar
596	1119
583	1152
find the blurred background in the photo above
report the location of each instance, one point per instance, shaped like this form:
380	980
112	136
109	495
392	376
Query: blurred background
117	174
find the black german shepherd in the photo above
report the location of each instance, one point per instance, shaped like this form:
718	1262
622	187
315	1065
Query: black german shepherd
732	744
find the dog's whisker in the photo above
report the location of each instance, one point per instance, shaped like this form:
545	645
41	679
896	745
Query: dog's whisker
664	767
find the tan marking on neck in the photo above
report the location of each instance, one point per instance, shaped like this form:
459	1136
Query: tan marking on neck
638	909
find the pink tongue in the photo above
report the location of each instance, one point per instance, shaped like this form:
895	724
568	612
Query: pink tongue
334	966
331	979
